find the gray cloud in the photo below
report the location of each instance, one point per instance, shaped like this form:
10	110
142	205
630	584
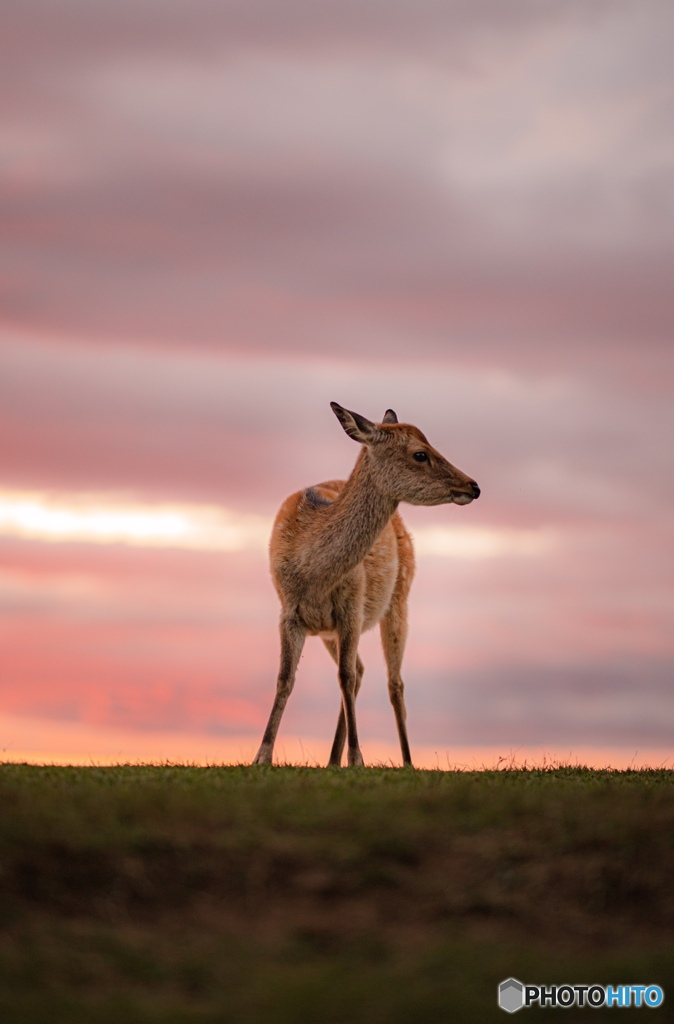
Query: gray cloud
610	705
484	182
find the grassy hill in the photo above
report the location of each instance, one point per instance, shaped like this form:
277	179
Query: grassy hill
176	894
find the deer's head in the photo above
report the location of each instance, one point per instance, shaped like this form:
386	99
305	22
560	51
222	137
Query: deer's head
403	464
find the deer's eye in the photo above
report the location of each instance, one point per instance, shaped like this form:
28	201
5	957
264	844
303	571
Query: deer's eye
420	457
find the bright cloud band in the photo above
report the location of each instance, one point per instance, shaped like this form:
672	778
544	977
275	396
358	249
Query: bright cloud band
92	519
96	520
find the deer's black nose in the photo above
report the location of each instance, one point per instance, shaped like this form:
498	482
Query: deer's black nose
476	489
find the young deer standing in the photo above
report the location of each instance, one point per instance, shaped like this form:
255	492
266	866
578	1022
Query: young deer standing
342	561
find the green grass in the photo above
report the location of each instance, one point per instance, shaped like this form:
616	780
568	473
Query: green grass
176	894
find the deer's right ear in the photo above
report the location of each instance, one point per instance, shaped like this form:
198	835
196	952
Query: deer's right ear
390	417
357	427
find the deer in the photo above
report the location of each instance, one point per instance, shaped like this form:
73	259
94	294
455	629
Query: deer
342	561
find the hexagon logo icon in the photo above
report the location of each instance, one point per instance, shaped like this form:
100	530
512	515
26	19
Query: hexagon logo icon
511	995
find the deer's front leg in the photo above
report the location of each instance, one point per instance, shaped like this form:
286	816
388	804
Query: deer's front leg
348	681
340	732
293	636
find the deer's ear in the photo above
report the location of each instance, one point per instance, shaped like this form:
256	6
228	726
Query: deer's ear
390	417
357	427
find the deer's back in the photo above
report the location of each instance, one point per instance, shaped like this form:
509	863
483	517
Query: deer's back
318	590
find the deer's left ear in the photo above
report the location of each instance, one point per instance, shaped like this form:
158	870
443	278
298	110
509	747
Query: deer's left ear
390	417
356	426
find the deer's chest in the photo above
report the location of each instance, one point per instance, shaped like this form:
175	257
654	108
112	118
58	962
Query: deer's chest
381	572
361	598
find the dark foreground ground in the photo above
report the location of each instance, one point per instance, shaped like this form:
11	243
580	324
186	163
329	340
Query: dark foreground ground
259	895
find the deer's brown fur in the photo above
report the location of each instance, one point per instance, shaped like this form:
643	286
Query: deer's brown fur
342	561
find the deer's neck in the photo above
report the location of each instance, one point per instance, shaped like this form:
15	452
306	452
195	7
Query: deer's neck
352	523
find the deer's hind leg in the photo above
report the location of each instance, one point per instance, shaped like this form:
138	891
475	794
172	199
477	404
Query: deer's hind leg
393	629
293	636
340	732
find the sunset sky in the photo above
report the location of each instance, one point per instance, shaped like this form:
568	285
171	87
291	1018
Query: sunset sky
216	216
